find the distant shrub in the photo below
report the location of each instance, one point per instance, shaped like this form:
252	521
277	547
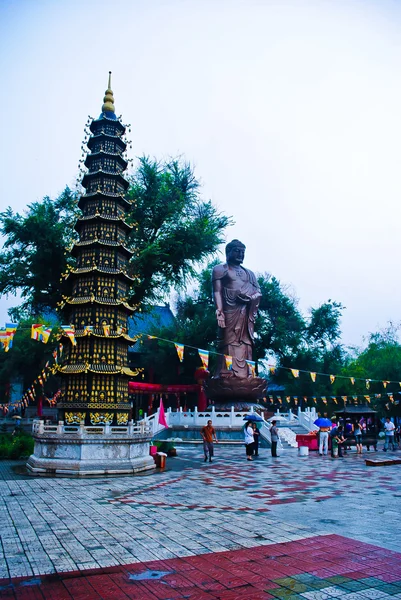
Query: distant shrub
16	446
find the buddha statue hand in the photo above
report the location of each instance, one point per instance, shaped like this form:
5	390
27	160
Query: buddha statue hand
221	321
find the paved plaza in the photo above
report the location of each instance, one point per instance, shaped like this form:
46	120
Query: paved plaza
289	527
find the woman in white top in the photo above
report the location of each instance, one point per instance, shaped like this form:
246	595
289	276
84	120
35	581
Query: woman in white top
249	441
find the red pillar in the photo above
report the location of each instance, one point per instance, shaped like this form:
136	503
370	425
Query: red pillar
202	399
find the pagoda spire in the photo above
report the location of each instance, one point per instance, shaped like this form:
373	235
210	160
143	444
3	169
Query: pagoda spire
108	100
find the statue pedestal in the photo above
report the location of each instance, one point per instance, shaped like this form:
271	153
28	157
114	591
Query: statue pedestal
228	390
80	451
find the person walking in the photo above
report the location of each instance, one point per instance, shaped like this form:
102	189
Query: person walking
208	433
389	428
256	436
274	438
323	440
249	440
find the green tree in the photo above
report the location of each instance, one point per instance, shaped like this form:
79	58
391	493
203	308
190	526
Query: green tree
318	351
324	328
27	357
33	256
279	326
194	325
281	332
379	361
174	229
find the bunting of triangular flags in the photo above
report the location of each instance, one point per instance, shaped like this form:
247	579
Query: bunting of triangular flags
69	331
229	362
251	364
180	351
204	356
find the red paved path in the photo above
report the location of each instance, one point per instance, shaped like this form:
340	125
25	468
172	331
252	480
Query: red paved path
331	564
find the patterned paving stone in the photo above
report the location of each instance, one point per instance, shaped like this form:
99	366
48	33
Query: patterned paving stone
270	525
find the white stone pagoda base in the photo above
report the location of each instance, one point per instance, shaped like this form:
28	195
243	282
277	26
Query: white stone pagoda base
81	451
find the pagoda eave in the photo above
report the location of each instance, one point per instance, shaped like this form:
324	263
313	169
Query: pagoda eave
100	369
90	157
104	302
94	242
97	217
117	176
106	136
111	119
113	334
103	271
102	194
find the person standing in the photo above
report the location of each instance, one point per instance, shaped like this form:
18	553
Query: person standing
389	428
249	440
274	438
323	440
256	436
208	433
358	437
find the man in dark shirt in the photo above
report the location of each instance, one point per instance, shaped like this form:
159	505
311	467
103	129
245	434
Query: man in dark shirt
337	441
208	433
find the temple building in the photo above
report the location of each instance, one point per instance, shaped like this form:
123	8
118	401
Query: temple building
94	367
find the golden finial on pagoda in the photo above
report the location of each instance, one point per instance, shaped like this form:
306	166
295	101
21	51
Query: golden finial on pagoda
108	100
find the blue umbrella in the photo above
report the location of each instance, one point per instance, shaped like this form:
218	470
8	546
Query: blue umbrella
253	417
322	422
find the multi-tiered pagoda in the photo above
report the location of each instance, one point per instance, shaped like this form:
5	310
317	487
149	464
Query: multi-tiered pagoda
95	370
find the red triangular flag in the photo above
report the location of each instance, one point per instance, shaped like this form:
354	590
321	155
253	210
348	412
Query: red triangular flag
162	416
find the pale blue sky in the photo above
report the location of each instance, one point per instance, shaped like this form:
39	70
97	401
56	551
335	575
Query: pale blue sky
290	112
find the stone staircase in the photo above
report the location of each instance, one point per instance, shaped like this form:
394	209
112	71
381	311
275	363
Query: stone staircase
288	434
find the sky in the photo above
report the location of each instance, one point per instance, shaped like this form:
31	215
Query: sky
290	112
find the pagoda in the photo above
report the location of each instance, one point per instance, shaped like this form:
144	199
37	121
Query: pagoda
95	434
94	364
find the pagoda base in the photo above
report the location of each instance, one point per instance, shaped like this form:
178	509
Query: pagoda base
89	454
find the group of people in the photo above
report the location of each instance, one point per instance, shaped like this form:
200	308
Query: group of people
251	434
340	437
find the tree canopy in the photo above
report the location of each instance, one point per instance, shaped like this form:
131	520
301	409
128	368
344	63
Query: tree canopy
282	334
175	230
33	255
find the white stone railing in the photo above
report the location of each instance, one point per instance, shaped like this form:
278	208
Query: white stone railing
228	419
195	418
142	428
307	418
265	432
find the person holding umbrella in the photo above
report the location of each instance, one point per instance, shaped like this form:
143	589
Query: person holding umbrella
324	428
249	440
